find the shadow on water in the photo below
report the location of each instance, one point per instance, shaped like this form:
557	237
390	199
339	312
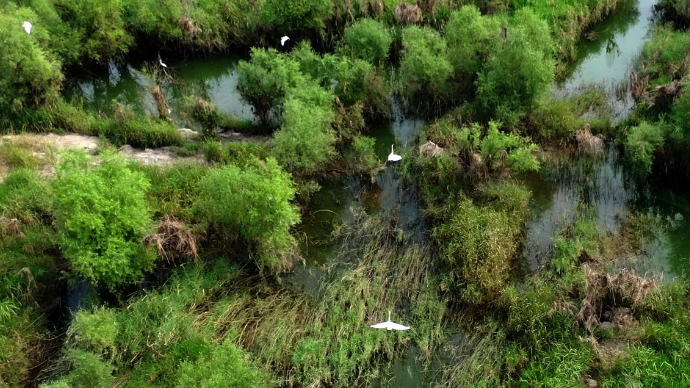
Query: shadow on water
600	183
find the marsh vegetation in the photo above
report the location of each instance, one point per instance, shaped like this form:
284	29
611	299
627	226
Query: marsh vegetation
526	236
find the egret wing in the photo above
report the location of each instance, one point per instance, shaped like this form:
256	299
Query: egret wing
397	326
382	325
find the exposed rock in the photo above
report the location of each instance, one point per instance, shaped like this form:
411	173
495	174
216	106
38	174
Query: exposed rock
591	383
188	133
606	325
127	149
430	149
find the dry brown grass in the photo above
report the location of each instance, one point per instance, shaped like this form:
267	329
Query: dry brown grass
407	13
605	295
373	8
588	143
9	227
430	149
173	240
161	102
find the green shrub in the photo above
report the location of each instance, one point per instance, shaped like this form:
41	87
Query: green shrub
367	39
30	77
480	241
99	27
424	64
471	38
297	15
95	331
264	81
253	202
101	217
88	370
25	196
207	114
518	73
641	144
364	154
225	367
305	142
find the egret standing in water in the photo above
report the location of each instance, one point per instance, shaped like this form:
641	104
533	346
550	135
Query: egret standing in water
27	27
393	157
389	325
283	40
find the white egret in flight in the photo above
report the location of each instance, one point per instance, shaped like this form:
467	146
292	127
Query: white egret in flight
283	40
388	325
393	157
27	27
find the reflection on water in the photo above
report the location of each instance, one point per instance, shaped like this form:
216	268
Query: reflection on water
607	54
212	78
600	184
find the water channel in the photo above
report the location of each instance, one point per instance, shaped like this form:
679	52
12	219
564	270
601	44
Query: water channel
605	59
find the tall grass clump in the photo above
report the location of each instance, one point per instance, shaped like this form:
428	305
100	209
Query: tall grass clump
480	240
127	127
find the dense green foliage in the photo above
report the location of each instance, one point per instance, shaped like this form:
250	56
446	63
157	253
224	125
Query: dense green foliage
368	39
253	202
101	217
424	65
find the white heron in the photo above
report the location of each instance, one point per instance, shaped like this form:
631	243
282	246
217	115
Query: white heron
27	27
389	325
283	40
393	157
161	62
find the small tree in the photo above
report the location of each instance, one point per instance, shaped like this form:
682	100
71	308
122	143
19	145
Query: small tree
297	15
516	75
101	216
471	37
368	39
305	141
425	61
253	202
266	78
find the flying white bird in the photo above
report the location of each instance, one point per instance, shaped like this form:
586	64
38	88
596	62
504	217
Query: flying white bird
27	27
283	40
388	325
393	157
161	62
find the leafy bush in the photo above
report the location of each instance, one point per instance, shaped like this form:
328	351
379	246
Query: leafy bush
29	76
224	367
264	81
25	196
297	15
305	141
101	217
99	27
471	38
367	39
425	62
96	331
519	72
364	154
253	202
641	144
